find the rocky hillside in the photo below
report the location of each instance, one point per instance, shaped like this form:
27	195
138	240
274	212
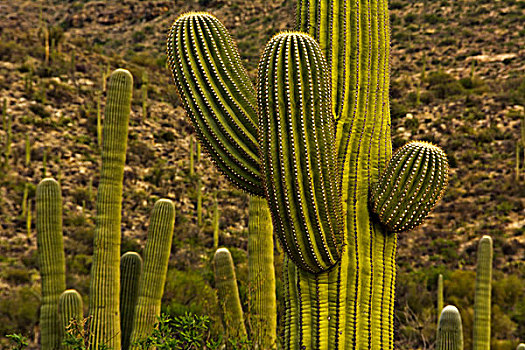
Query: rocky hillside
457	79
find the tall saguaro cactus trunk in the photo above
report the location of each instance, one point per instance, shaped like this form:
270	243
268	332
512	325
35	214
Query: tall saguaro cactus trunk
263	312
51	259
481	340
105	272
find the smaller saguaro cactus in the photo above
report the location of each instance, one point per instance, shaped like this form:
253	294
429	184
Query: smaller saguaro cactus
28	151
156	256
70	307
228	293
450	330
51	258
481	339
130	271
439	295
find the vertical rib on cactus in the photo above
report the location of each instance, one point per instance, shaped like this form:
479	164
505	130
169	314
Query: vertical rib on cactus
440	295
51	259
70	307
263	311
156	256
130	272
481	340
450	330
105	272
228	294
218	96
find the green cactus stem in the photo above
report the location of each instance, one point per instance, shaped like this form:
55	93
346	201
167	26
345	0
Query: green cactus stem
228	294
218	96
105	272
51	259
450	330
439	295
28	152
130	271
156	256
411	185
70	307
481	340
263	310
216	218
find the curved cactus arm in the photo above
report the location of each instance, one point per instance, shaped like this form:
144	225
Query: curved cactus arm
153	278
70	307
450	330
297	149
410	187
51	258
228	294
105	271
130	272
218	96
482	298
263	304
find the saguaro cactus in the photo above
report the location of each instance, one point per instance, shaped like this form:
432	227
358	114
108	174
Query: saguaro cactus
51	259
70	307
520	346
105	273
130	271
450	330
323	141
439	295
263	305
156	256
226	284
481	340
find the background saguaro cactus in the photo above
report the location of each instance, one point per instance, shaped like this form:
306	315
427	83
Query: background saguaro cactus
226	284
130	272
105	273
70	307
481	340
156	256
439	295
51	259
450	330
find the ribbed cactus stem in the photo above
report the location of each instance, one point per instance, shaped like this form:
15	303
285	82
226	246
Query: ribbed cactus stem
481	340
156	257
105	272
130	271
228	294
263	310
51	259
439	295
450	330
70	307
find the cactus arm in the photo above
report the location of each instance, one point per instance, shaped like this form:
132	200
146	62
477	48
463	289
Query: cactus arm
300	177
130	272
228	294
156	257
51	259
450	330
70	307
218	96
105	272
261	274
482	299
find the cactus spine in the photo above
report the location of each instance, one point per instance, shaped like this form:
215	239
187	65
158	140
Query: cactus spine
51	259
481	340
323	141
439	295
263	311
130	271
226	284
105	272
70	307
156	256
450	330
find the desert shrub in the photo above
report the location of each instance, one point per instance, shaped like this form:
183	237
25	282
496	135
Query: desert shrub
24	316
